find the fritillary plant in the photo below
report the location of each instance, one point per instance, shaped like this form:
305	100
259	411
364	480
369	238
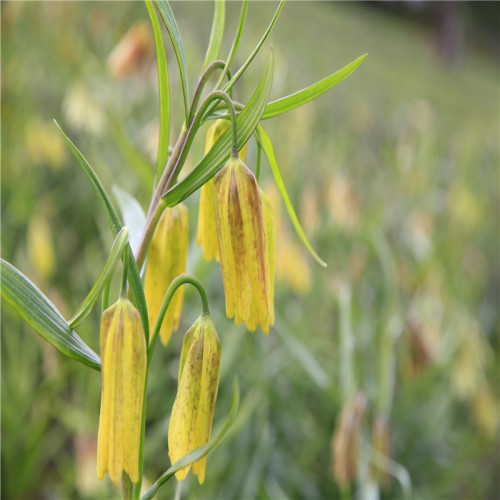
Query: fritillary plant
235	228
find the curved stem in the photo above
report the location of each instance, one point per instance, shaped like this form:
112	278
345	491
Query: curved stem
218	95
215	65
182	279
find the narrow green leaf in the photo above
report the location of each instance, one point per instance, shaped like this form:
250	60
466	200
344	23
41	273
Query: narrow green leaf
310	93
115	225
132	214
301	352
201	451
250	58
164	91
236	42
39	312
216	33
267	146
247	120
86	306
175	36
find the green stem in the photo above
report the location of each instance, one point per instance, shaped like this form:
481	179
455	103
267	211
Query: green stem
176	283
123	289
218	64
155	207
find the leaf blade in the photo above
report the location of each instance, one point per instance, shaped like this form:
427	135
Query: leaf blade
217	32
115	254
301	97
115	225
41	314
163	90
175	37
267	146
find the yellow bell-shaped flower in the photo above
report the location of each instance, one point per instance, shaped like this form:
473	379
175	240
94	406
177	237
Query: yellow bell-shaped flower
207	234
123	370
192	414
167	259
243	246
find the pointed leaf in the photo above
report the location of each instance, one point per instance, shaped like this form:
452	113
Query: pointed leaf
267	146
86	306
310	93
115	225
201	451
39	312
164	91
216	33
175	36
247	120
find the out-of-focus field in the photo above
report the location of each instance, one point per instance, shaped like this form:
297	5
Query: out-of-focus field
395	178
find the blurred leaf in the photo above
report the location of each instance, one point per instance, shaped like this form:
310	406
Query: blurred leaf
303	355
267	145
312	92
201	451
175	36
164	91
115	225
133	215
83	311
247	120
217	32
37	310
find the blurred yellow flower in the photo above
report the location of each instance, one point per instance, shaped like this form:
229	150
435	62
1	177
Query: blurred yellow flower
292	267
40	247
192	414
167	259
243	246
207	233
123	369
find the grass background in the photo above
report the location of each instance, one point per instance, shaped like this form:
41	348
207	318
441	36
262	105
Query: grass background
395	178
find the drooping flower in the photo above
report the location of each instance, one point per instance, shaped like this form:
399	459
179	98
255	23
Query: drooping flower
192	414
243	246
345	440
123	369
167	259
207	234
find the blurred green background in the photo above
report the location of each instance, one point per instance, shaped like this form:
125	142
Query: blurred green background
394	175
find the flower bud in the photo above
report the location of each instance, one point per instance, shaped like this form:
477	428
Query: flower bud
167	259
346	438
243	246
193	411
123	370
207	234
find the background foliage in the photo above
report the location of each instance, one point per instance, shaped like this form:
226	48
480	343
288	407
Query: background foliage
395	177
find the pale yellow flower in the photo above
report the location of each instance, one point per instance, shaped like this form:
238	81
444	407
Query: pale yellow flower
123	370
243	247
167	259
192	414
